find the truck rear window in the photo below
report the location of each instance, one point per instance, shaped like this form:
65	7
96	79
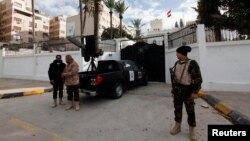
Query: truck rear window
107	66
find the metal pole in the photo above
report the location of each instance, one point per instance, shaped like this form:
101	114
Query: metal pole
33	20
33	26
81	28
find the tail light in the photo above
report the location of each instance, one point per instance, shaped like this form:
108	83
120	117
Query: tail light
98	79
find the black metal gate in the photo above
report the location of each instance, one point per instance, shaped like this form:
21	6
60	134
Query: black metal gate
149	56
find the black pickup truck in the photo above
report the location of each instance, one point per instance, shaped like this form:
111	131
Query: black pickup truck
112	78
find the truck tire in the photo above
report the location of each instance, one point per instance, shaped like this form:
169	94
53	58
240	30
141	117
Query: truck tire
145	81
117	90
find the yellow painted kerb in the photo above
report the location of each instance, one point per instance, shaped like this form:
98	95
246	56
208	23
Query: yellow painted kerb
57	138
201	93
223	108
33	92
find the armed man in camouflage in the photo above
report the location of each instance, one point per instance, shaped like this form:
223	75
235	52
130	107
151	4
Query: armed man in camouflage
186	84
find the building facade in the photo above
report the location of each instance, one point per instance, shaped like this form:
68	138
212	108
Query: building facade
57	29
16	22
156	32
73	23
156	25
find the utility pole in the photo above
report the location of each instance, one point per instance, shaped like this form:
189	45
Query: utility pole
33	26
33	20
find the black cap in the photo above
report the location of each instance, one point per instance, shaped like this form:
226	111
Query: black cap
183	50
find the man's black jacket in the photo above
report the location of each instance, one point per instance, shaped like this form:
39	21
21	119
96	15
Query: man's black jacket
55	70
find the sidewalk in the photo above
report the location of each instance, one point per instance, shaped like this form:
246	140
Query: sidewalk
19	87
233	105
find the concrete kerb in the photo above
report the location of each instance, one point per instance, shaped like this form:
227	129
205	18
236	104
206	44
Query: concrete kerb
225	109
24	92
239	118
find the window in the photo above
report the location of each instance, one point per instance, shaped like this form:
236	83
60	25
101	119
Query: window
38	18
17	29
17	20
30	32
127	66
17	4
45	21
4	13
135	67
30	39
107	66
16	37
30	24
46	27
45	35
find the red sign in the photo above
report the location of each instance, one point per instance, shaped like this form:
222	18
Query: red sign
169	13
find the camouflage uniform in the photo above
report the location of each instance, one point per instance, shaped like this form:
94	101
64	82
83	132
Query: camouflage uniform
187	80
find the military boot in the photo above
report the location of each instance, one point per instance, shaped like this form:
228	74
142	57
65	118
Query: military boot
176	129
77	106
69	105
54	104
61	102
192	134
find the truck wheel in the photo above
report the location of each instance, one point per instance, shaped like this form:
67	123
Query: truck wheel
145	81
117	91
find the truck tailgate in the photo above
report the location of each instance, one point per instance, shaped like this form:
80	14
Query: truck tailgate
87	80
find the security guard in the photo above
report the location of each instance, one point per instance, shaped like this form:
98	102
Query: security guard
187	81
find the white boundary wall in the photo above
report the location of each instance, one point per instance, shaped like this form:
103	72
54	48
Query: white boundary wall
35	67
224	65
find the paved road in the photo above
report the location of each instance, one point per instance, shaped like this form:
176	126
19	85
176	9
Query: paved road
142	114
231	104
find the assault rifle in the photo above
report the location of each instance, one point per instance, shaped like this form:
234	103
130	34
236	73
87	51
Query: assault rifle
171	70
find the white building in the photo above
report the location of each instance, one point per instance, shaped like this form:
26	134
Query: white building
156	25
156	32
73	23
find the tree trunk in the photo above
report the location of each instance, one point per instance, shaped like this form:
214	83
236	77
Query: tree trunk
120	25
81	23
84	21
111	24
96	22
